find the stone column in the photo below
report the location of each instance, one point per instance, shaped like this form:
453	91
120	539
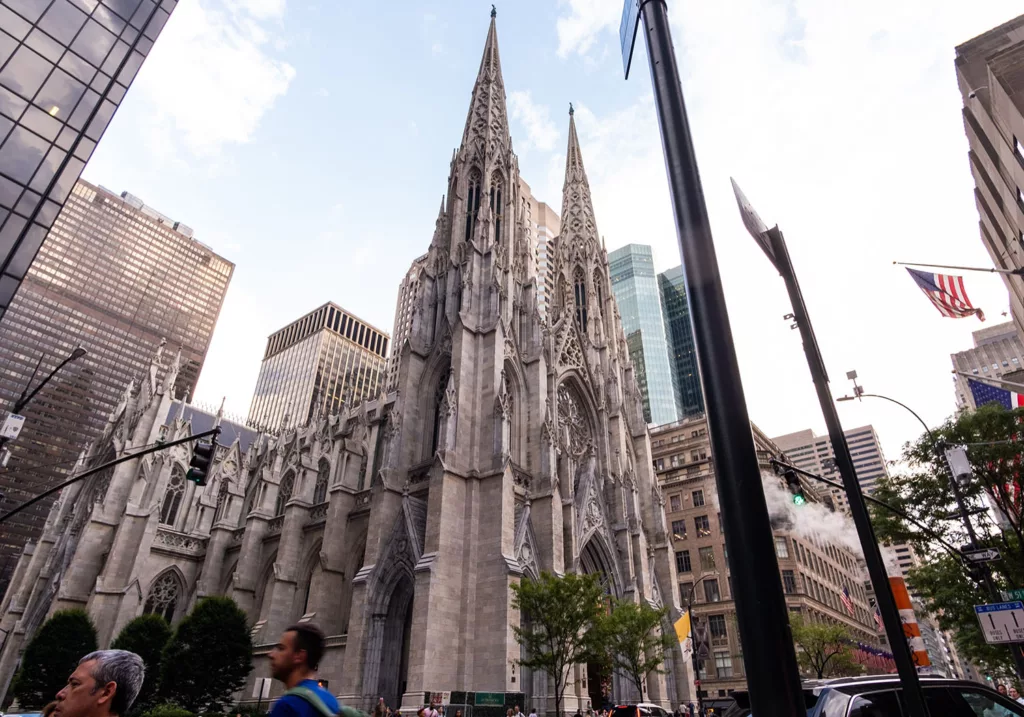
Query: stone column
244	587
213	563
287	568
326	593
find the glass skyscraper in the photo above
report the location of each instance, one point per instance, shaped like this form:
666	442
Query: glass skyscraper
121	280
65	66
682	351
636	292
326	358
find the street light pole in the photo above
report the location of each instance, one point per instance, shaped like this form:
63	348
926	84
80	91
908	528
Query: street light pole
693	641
24	400
961	504
773	678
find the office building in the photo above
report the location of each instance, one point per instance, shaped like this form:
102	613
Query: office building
547	225
64	69
813	569
120	279
814	453
639	299
997	354
682	349
408	291
315	364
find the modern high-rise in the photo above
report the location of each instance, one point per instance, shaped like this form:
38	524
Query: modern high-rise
814	453
315	364
64	69
990	74
637	294
813	570
997	354
547	225
119	279
682	349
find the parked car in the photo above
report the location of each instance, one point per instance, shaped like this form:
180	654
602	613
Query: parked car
882	696
642	709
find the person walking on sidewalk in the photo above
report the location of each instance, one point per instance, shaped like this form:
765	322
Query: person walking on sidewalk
294	661
104	684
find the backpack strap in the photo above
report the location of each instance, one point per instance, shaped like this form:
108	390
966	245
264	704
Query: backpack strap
312	698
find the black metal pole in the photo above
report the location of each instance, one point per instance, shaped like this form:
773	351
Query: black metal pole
858	508
97	469
773	677
693	642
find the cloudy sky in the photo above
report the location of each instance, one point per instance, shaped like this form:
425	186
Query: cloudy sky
308	142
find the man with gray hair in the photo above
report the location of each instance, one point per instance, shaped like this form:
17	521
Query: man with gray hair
105	683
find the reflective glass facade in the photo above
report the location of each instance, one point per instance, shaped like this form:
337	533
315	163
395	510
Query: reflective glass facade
326	358
65	66
682	350
117	278
636	292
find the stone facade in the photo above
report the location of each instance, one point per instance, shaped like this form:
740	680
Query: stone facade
508	445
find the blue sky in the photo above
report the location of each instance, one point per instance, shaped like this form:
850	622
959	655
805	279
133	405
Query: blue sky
309	143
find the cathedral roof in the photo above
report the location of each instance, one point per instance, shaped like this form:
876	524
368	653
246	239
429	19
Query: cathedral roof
203	420
579	228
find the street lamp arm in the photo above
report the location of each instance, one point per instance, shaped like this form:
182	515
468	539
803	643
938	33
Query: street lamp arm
25	400
902	405
892	509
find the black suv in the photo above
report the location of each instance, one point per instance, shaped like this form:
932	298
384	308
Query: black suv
882	696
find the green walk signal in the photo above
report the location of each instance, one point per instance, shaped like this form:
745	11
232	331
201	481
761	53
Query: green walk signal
199	466
799	500
793	483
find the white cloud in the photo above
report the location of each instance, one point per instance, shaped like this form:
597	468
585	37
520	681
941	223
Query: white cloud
323	92
541	132
209	77
842	123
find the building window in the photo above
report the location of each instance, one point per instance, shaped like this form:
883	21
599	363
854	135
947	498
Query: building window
320	489
698	498
674	503
781	547
284	493
685	590
702	526
163	596
707	558
497	206
723	664
172	498
683	561
716	626
580	292
711	593
788	582
472	203
679	529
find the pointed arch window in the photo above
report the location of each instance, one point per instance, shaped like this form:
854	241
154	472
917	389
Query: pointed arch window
442	385
580	294
496	205
173	497
320	489
164	596
598	283
472	202
284	493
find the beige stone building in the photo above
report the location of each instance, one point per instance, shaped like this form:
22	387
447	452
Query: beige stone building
997	354
509	445
813	570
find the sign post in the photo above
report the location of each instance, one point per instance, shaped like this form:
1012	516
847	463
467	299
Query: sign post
1001	622
980	555
11	428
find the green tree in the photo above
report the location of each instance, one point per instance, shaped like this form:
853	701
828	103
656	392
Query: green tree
950	589
207	658
634	641
561	625
823	650
52	656
146	636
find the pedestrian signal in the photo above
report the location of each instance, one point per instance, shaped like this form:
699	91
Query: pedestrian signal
199	466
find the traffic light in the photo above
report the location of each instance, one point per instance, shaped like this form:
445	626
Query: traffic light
199	466
793	483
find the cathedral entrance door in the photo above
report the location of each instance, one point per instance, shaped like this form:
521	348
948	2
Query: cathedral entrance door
599	685
394	653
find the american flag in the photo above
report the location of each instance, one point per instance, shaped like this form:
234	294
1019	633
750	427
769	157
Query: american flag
878	620
847	602
986	393
947	293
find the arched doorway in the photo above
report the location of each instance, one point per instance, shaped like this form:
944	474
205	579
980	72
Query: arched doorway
394	654
595	561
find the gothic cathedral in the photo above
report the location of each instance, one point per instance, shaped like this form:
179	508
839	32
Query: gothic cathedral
507	444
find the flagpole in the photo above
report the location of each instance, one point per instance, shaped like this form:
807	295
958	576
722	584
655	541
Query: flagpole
997	382
1014	272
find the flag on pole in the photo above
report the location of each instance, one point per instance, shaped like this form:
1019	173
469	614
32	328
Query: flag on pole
847	602
878	620
947	293
987	393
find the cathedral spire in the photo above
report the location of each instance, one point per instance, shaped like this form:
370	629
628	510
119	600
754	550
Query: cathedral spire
487	122
579	229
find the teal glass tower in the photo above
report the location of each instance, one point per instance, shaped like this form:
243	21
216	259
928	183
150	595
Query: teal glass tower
682	350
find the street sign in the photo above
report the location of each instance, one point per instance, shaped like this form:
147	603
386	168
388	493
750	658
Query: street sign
1002	621
261	690
12	426
1015	594
490	699
627	31
982	555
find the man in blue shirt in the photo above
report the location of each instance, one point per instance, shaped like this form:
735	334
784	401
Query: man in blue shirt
294	661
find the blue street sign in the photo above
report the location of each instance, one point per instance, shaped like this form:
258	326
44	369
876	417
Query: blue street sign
627	31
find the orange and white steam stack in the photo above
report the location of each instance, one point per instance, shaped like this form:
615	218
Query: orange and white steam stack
911	629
